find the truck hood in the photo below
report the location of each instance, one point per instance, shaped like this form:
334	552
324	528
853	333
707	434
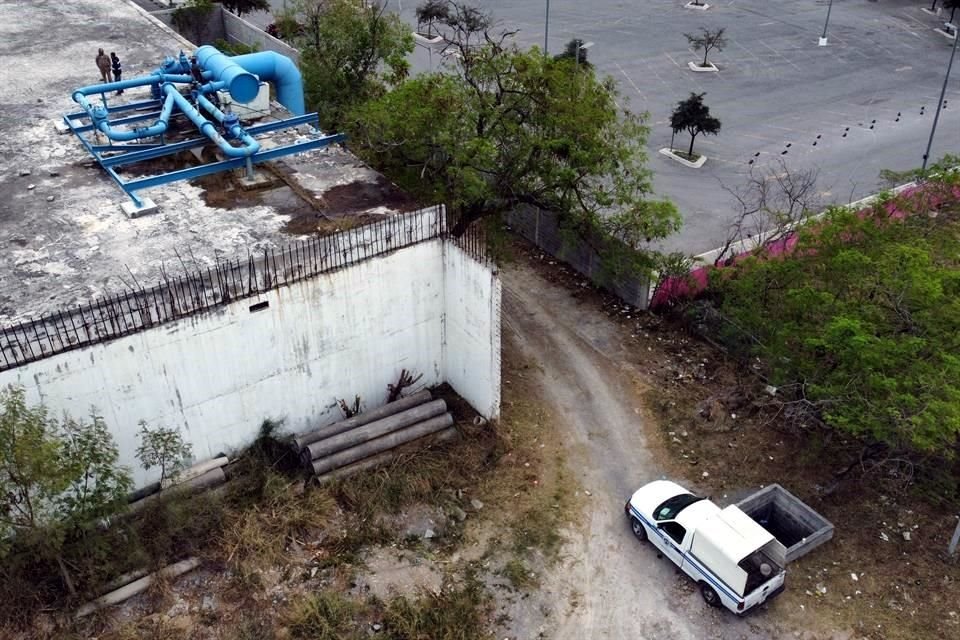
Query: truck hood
651	495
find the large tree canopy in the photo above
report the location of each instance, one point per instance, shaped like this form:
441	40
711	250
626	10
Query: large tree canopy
862	319
499	127
350	53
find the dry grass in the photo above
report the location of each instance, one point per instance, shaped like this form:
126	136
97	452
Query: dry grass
455	613
323	616
257	534
519	575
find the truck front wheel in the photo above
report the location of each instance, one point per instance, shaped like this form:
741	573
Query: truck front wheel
709	595
639	531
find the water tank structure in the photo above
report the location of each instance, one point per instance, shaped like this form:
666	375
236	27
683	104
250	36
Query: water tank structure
191	88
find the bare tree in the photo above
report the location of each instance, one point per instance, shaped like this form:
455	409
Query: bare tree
772	203
707	40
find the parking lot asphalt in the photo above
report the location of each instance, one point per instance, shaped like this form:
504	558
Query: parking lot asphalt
878	80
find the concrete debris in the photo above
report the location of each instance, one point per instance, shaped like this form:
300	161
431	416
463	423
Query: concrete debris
821	588
906	536
706	474
50	198
884	536
24	172
476	504
854	577
429	534
31	187
458	514
376	626
209	603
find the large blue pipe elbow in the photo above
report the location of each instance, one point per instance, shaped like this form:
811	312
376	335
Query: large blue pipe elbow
282	72
243	87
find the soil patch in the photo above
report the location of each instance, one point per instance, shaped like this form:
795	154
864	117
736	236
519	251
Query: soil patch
359	197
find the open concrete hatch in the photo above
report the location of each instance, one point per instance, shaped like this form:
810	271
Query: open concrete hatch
798	527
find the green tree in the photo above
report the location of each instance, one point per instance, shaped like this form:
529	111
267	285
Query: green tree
192	20
56	478
499	127
861	322
707	40
692	116
163	447
351	53
241	7
574	51
430	13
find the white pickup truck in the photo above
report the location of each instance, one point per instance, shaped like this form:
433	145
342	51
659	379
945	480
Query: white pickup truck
736	562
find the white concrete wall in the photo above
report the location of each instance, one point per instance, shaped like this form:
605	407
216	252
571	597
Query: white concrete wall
471	343
218	375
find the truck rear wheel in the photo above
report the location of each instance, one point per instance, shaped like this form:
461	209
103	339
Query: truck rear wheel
639	531
709	595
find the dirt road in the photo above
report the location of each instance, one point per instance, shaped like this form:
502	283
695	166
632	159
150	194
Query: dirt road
609	585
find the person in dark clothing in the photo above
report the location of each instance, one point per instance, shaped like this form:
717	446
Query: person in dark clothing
117	69
196	71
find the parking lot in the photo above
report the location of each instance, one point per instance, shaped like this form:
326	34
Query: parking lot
880	76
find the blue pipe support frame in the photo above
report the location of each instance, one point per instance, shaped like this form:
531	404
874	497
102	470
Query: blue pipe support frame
238	75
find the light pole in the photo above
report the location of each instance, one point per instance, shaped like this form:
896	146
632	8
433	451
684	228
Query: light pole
823	38
936	115
581	47
546	29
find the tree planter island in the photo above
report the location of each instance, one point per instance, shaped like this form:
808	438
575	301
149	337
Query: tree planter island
700	68
694	161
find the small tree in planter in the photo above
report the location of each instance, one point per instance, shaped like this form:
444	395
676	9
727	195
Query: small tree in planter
707	40
430	12
692	116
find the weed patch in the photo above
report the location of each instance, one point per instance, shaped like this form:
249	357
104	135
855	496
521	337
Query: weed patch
453	614
323	616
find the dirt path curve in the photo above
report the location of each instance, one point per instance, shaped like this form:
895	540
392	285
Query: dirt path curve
609	586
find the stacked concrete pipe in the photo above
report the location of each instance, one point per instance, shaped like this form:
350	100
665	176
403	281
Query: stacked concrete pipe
196	479
371	438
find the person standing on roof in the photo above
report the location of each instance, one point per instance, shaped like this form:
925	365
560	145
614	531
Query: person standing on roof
103	63
117	69
196	71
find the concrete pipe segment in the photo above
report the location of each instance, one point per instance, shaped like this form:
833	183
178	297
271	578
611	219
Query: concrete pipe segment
371	431
385	443
387	457
303	439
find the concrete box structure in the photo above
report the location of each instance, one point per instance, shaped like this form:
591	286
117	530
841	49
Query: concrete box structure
798	527
282	337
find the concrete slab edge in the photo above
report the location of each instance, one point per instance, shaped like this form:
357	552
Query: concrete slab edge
710	68
693	165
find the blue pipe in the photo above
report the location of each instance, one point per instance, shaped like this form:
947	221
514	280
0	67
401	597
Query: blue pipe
207	128
230	122
270	66
99	117
241	84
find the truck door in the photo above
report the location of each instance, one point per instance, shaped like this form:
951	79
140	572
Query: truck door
671	535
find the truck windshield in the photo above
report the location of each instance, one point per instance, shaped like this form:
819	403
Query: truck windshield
669	509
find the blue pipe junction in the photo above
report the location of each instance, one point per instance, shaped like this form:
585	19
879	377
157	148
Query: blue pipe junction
240	76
